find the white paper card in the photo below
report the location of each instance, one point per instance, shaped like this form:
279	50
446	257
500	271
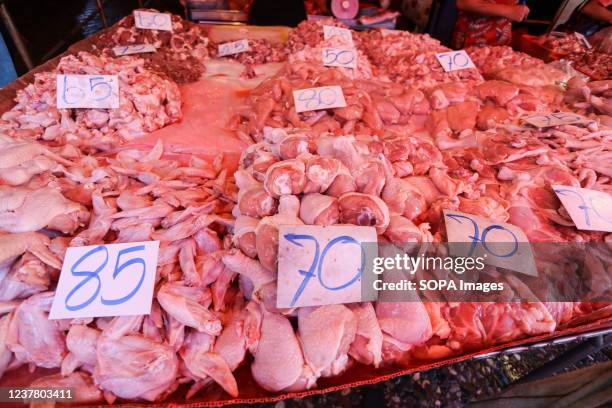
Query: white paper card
455	60
321	265
152	21
106	280
584	40
87	91
234	47
500	244
555	119
333	31
133	49
590	210
325	97
339	57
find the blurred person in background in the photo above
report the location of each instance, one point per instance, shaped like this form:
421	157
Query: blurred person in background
7	68
487	22
590	17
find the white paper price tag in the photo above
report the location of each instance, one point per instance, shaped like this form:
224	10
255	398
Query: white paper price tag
106	280
455	60
339	57
325	97
385	32
500	244
133	49
554	119
590	210
152	21
234	47
343	33
584	40
87	91
321	265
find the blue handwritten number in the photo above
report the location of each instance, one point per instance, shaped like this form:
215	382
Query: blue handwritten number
96	82
89	276
317	263
483	238
311	98
70	89
456	57
596	211
339	240
118	270
498	227
310	273
584	207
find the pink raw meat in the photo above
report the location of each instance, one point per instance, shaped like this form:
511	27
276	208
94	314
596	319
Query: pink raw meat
208	105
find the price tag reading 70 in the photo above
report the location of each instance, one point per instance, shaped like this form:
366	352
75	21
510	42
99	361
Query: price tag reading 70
321	265
325	97
500	244
454	60
87	91
106	280
339	57
591	210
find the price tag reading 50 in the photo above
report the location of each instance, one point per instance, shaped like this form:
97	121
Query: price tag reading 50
106	280
339	57
152	21
87	91
321	265
500	244
455	60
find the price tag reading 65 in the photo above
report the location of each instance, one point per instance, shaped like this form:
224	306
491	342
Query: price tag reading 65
321	265
106	280
87	91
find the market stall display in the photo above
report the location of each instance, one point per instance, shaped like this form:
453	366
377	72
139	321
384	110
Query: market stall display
413	138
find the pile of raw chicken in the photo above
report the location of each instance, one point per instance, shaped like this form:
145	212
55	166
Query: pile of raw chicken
412	141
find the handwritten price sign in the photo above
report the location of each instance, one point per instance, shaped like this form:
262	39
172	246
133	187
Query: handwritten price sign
152	21
339	57
321	265
343	33
455	60
87	91
554	119
133	49
234	47
106	280
590	210
325	97
500	244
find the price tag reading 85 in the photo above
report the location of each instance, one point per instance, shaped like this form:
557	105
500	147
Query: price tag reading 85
591	210
454	60
555	119
149	20
87	91
322	265
325	97
339	57
106	280
500	244
234	47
